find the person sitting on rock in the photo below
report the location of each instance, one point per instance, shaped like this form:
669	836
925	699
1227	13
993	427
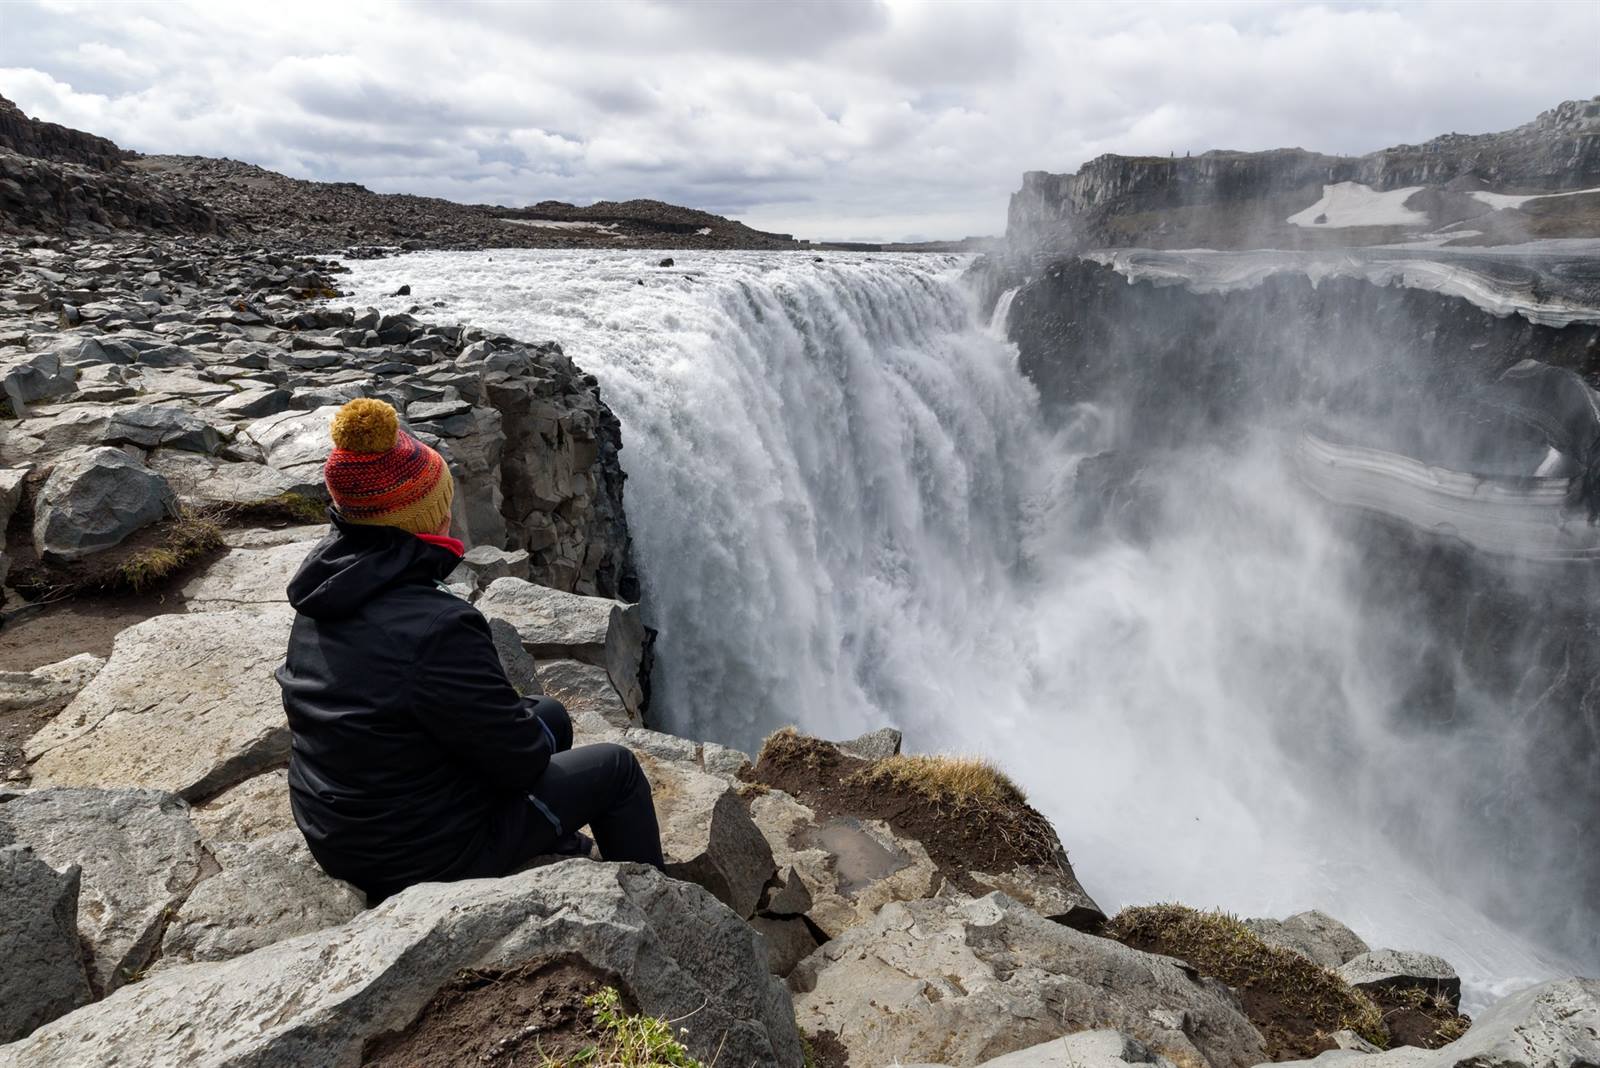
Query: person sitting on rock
413	758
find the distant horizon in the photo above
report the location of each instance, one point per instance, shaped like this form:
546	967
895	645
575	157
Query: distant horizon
893	121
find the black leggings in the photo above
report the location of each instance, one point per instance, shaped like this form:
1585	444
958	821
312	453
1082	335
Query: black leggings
601	786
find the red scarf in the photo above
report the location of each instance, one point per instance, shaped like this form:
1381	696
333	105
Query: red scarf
445	541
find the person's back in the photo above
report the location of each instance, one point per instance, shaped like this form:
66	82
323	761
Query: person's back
413	757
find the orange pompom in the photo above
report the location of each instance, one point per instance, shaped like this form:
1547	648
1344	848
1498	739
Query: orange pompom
365	425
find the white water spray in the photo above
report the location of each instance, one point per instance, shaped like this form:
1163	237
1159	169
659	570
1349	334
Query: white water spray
847	512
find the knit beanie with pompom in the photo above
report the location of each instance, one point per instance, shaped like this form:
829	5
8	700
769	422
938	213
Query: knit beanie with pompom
380	475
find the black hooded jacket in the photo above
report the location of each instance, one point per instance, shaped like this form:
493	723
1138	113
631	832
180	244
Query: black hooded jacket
412	755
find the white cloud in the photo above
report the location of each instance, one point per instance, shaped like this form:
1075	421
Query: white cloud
837	119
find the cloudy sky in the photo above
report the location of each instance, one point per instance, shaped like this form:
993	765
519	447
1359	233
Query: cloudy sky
827	118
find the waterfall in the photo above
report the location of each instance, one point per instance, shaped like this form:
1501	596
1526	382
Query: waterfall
1001	316
848	513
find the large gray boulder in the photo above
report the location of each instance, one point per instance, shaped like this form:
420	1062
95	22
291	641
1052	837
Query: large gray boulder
588	693
554	625
268	890
490	563
1314	935
1553	1025
567	626
201	481
25	380
296	443
186	703
139	855
320	998
1397	969
964	981
151	425
44	975
707	835
94	500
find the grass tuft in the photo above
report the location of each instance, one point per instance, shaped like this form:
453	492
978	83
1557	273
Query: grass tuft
955	781
299	506
626	1040
1294	1002
188	537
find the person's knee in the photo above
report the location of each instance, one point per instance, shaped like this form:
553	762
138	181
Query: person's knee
625	768
553	714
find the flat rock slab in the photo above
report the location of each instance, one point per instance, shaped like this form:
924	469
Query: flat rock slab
320	998
1104	1048
207	481
554	625
964	981
1553	1025
139	855
1314	935
48	684
268	890
186	703
44	975
246	578
257	808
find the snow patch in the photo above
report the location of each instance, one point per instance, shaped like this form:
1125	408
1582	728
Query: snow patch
561	224
1353	204
1500	201
704	231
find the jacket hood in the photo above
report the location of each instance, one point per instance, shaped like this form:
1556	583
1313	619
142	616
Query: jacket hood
357	562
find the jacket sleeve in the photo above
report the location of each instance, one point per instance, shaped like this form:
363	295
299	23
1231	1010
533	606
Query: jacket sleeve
462	699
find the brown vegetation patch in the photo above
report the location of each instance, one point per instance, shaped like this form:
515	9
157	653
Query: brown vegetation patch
968	816
533	1015
1294	1003
1419	1018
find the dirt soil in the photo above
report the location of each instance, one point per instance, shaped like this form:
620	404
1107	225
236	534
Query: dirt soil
1414	1019
505	1018
45	634
987	839
827	1051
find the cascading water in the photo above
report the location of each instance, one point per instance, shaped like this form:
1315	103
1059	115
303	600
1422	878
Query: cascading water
848	512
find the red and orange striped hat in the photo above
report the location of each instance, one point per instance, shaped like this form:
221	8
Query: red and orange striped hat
379	474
